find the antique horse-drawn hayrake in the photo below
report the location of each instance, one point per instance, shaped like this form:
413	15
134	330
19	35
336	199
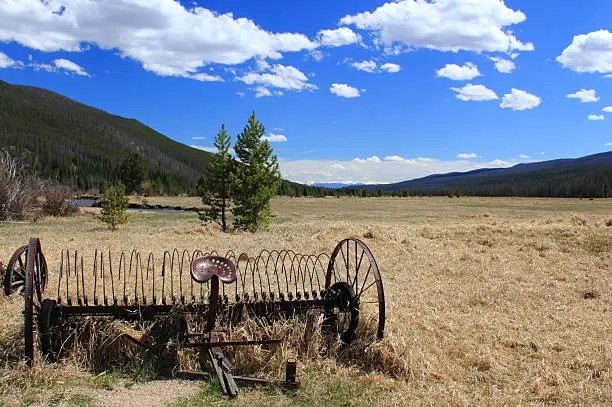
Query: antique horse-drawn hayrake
133	287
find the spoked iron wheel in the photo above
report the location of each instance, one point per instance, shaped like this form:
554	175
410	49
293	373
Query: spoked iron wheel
14	277
354	285
35	281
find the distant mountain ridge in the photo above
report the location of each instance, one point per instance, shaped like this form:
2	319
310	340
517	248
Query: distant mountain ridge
585	176
80	146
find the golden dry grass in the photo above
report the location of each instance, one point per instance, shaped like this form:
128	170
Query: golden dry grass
489	301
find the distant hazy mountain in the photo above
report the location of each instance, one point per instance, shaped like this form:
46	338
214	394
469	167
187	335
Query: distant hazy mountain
334	185
585	176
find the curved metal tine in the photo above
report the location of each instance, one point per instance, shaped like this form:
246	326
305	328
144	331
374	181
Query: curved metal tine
258	261
230	255
122	272
282	260
185	252
134	256
196	253
167	256
278	257
76	275
293	272
301	271
175	258
95	272
59	278
112	278
275	254
138	269
311	269
242	274
151	269
324	264
68	300
83	292
297	269
305	274
102	272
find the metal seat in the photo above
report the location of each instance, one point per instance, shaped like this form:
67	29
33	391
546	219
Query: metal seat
204	268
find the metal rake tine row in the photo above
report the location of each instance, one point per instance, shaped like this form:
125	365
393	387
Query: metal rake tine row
270	275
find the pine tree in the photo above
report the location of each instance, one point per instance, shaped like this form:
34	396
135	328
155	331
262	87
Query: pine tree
255	179
215	186
114	206
132	173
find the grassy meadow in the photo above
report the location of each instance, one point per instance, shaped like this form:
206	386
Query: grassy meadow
490	302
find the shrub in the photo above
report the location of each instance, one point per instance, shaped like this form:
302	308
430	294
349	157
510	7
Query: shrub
17	191
57	201
114	206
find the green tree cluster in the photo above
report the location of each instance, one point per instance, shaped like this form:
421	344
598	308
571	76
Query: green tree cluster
249	182
215	186
114	206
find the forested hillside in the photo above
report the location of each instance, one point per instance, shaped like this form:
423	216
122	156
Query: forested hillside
589	176
81	146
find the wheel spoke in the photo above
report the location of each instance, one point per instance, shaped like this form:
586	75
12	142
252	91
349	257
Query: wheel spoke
345	263
359	295
357	269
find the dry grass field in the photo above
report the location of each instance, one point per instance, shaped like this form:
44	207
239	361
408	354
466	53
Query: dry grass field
490	302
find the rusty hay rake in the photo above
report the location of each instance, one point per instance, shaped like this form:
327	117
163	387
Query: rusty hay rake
224	289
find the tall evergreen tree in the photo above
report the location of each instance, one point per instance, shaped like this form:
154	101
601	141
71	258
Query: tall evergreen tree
215	186
132	173
255	179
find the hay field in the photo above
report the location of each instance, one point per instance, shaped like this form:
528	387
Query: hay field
490	302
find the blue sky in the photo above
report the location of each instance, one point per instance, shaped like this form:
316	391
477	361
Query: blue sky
369	91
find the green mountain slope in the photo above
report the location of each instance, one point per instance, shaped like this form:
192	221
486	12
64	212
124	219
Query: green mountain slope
80	146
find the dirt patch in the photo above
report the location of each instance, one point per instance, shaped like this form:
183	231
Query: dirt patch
150	394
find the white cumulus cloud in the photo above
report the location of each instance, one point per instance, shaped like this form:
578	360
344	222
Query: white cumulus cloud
366	66
445	25
596	117
275	138
590	52
585	95
390	67
503	65
344	90
7	62
69	66
164	36
477	93
338	37
394	158
520	100
467	156
524	156
277	76
459	73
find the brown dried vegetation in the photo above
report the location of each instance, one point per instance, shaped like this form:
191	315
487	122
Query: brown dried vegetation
489	301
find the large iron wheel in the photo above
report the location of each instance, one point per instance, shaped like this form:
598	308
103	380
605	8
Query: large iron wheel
35	281
14	276
355	288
